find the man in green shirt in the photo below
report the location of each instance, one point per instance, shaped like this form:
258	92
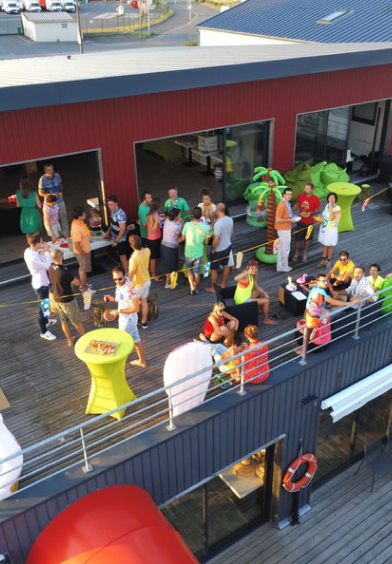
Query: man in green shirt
195	234
142	213
175	202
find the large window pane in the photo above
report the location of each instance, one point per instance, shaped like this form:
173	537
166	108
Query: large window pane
373	420
310	139
187	516
334	444
246	146
337	132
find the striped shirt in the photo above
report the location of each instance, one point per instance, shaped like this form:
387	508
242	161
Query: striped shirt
51	185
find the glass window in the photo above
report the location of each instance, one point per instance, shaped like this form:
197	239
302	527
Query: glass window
373	420
245	148
334	444
211	515
187	515
310	139
340	443
322	136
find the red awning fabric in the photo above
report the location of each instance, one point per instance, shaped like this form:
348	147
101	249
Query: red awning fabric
118	524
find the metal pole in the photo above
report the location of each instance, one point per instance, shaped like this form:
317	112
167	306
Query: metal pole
171	425
87	467
241	391
80	32
148	17
357	322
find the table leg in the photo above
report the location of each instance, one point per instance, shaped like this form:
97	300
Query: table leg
190	161
109	388
346	221
208	171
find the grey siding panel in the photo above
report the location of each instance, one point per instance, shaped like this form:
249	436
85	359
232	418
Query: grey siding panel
211	438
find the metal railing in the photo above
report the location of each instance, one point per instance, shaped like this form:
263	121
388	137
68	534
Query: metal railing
77	445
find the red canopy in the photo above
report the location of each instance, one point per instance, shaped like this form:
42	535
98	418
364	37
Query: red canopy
118	524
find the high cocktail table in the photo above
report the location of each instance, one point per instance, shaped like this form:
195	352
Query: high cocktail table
109	388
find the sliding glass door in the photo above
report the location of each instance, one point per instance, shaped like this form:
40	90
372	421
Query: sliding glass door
323	136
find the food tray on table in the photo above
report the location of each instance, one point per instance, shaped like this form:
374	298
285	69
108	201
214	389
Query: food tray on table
101	347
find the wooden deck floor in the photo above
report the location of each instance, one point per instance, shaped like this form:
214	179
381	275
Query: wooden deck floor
47	386
346	525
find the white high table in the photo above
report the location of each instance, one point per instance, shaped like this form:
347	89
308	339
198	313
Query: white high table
95	242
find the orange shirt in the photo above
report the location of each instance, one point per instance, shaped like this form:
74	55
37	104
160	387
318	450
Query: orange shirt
282	212
79	235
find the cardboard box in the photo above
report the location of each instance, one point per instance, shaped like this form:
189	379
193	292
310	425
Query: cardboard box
207	143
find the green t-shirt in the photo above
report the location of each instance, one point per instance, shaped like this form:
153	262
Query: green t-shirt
194	239
142	215
180	203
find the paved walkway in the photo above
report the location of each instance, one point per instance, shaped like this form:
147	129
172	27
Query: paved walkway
347	525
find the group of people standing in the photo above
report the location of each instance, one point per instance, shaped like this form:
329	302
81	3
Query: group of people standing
163	234
307	206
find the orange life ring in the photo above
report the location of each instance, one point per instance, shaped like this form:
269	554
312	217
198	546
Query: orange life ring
288	483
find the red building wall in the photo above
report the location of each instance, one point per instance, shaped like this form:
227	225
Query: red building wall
114	125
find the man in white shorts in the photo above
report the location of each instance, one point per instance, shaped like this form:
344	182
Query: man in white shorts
128	307
139	275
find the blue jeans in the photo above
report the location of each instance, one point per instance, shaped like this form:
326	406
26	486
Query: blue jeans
42	293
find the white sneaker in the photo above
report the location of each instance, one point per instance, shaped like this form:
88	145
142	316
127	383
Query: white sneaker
51	322
48	336
90	289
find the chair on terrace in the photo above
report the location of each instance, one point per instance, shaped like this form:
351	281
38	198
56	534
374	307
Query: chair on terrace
377	458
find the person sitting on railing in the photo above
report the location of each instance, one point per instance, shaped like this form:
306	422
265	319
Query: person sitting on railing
316	305
256	367
360	287
218	324
248	290
375	279
342	271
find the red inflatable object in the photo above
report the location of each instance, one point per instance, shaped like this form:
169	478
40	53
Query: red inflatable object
135	4
116	525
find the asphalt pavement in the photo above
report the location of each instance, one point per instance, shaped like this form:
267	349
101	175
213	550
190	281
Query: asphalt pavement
176	31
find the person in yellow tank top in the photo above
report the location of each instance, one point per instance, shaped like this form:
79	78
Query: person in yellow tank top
248	290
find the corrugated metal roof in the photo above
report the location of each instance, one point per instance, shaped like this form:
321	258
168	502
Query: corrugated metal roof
43	81
365	21
47	17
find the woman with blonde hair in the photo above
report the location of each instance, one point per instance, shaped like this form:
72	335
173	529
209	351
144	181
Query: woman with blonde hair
218	324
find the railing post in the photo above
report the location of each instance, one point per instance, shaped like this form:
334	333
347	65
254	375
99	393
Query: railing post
305	346
171	425
241	391
87	467
357	322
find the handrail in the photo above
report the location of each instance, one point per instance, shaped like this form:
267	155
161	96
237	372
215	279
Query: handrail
132	425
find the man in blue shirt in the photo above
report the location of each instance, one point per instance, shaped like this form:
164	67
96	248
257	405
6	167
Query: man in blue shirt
50	183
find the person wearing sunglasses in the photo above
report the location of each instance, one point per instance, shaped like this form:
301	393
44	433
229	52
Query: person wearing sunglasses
128	307
218	324
342	272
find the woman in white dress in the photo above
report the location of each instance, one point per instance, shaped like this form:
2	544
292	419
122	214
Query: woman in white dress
328	234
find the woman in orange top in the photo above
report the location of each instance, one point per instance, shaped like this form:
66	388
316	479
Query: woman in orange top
256	367
154	237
